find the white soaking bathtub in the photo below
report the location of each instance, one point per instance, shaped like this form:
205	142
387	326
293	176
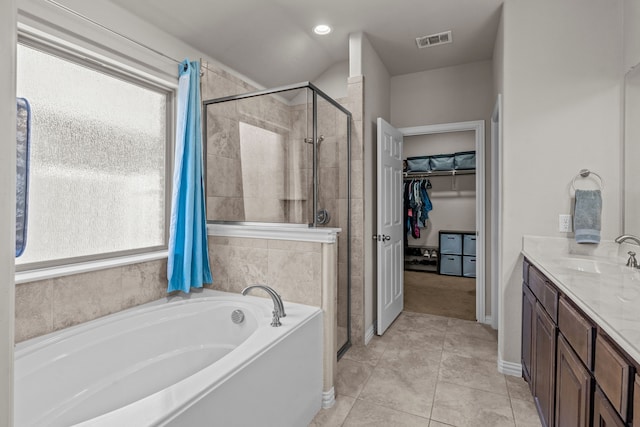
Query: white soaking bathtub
179	361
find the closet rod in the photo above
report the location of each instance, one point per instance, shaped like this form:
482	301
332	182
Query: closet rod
412	175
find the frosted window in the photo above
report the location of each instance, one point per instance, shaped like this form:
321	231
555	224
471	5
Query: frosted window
98	155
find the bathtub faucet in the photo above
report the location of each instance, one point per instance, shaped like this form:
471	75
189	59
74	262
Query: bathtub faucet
278	306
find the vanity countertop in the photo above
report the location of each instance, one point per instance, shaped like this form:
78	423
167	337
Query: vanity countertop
596	279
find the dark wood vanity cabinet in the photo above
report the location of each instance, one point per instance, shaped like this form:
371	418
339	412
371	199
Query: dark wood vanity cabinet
636	401
544	364
528	317
577	375
574	386
604	415
539	343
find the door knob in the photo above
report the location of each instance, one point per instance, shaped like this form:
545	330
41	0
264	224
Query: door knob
386	237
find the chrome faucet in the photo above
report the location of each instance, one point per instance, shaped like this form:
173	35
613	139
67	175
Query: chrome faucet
278	306
625	237
631	262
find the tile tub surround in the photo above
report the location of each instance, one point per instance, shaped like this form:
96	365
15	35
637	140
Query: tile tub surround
413	382
48	305
611	299
303	272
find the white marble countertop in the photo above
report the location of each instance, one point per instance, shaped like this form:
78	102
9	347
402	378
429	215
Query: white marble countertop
596	279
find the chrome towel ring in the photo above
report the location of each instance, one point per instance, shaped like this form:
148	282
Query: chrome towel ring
584	173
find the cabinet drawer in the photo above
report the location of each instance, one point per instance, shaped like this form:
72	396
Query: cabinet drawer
544	292
612	372
578	331
451	244
451	265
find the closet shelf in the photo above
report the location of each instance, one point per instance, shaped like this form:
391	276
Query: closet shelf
411	175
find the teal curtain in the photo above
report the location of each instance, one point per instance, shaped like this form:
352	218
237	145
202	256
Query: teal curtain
188	265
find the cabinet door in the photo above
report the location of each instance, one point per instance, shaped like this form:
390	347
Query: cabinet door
604	415
528	313
613	375
636	402
573	388
544	364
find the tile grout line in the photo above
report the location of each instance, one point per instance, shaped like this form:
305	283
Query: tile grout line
435	391
363	386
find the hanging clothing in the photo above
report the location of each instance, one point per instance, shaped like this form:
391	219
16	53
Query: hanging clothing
188	263
416	206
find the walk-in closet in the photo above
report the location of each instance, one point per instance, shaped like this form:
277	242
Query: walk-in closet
439	205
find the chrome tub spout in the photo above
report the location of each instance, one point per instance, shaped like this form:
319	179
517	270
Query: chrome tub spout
278	306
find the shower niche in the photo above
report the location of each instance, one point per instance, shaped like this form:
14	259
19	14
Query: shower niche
281	157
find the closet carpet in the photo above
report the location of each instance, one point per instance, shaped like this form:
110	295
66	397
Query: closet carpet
447	296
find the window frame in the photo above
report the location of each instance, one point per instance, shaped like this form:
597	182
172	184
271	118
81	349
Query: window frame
110	67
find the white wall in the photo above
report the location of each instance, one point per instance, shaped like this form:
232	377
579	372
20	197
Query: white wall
333	81
444	95
376	104
8	206
562	113
631	33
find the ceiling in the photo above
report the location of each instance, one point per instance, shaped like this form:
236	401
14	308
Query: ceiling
272	43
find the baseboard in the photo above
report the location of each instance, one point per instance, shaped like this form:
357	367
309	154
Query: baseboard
509	368
368	336
328	398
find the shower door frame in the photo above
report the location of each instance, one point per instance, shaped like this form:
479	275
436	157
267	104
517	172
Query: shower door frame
315	92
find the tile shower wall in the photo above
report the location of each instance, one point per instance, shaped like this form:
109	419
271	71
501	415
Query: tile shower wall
49	305
257	161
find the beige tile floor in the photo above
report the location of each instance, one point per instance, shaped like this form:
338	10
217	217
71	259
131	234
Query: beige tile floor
428	371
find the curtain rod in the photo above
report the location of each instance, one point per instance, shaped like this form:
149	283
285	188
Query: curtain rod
97	24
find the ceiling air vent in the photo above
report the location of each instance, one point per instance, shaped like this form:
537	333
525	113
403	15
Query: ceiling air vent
434	39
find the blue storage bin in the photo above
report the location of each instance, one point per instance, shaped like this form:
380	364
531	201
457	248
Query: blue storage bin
450	243
469	244
469	266
418	164
451	265
442	162
465	160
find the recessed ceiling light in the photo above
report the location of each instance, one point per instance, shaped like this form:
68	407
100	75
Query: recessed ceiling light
322	29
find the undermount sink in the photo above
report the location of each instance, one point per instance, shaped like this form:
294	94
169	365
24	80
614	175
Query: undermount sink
592	266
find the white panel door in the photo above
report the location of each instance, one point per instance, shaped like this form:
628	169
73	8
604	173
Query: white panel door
389	226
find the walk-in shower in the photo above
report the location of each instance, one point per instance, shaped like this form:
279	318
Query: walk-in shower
283	156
